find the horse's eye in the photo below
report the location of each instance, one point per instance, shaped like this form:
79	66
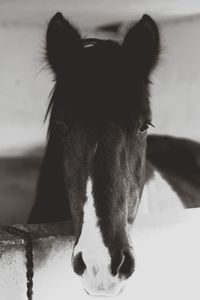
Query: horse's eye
144	128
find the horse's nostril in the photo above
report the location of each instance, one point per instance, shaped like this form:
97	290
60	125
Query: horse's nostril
78	264
123	264
128	265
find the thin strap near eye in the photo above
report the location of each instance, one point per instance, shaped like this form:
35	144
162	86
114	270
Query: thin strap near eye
90	42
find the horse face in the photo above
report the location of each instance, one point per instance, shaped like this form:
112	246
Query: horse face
104	178
102	101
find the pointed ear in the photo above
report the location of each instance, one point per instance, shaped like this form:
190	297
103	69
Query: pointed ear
142	46
63	44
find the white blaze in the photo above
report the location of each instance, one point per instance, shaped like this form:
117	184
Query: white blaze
97	278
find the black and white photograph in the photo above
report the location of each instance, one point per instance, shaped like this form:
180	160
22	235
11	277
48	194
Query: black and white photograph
99	149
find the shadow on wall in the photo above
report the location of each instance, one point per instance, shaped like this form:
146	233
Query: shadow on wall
18	185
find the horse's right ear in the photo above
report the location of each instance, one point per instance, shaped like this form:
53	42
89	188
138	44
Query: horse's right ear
63	44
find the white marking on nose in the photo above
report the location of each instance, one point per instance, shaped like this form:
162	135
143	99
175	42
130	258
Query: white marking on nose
94	252
97	278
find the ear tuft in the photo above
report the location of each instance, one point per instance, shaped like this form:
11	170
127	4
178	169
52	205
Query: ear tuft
63	43
142	45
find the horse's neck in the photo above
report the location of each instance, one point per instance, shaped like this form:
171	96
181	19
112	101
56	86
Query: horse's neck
158	194
51	200
178	161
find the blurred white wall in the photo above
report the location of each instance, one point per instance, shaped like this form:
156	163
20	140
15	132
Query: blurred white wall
24	89
176	83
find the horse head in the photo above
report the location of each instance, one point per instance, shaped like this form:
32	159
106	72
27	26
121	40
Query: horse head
101	112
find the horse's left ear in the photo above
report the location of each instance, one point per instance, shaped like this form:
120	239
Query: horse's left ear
63	44
142	46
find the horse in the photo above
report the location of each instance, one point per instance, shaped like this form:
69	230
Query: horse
99	163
